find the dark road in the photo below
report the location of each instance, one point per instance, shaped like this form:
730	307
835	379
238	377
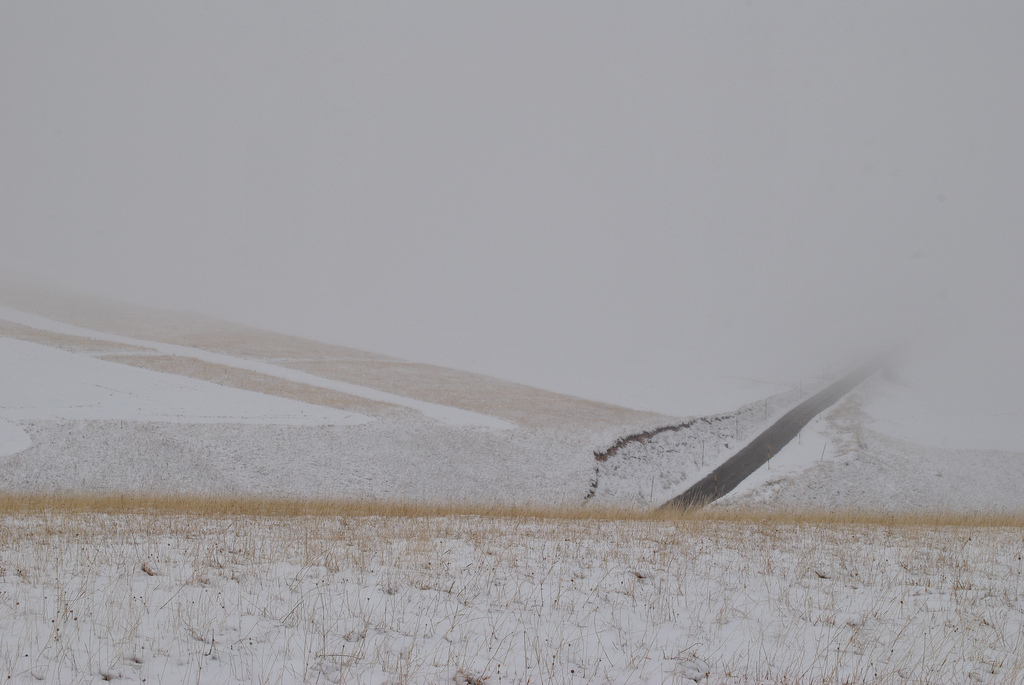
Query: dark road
731	473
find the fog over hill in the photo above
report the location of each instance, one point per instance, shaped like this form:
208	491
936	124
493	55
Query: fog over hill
643	205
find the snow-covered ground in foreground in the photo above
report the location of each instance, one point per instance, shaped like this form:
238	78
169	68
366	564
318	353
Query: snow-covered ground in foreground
166	599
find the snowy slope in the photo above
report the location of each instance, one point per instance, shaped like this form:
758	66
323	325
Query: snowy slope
13	439
890	446
76	422
284	417
450	415
915	413
84	417
42	383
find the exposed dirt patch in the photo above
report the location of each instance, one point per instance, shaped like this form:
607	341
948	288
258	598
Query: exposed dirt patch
643	436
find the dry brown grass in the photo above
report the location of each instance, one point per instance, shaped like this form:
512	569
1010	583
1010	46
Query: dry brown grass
523	405
862	517
68	343
245	590
257	382
13	504
144	358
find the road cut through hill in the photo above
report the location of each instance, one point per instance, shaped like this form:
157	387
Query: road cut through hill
759	451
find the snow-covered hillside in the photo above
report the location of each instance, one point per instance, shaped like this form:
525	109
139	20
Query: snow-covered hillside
103	396
40	383
74	421
915	437
215	408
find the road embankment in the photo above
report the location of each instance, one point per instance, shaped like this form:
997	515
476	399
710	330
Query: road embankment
732	472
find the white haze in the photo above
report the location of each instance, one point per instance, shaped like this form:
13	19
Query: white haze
612	200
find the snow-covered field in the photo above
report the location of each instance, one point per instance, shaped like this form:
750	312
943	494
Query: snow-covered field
174	599
65	364
147	597
111	398
135	402
88	410
919	436
82	418
849	458
42	383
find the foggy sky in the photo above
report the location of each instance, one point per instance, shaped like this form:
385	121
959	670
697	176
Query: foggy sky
604	199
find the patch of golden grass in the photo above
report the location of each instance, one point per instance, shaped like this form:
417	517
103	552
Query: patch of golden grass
62	341
523	405
241	505
259	382
242	379
213	506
